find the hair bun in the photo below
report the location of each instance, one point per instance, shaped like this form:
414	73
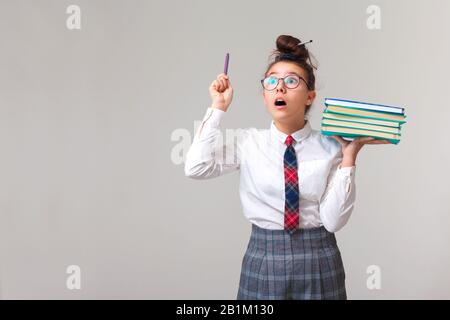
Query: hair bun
288	46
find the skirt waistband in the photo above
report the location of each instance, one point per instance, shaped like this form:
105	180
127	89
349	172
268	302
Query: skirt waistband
281	241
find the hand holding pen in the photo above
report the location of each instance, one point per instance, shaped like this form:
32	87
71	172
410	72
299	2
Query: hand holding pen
221	90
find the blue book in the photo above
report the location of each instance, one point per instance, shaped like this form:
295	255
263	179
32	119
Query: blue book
364	106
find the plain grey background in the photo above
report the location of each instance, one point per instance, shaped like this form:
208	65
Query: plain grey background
87	175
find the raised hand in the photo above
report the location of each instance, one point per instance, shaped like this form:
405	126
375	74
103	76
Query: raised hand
221	92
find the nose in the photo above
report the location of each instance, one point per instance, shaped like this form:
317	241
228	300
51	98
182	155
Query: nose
280	87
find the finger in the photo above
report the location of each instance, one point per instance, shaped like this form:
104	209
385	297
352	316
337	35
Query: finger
225	80
364	139
217	86
220	85
224	83
379	142
221	81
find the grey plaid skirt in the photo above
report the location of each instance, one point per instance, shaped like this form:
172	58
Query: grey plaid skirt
304	265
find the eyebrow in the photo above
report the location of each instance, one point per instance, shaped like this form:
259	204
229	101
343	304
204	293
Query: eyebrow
286	73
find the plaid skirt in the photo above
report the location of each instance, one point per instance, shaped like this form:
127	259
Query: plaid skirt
304	265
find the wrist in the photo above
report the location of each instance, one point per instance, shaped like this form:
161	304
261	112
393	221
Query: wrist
348	161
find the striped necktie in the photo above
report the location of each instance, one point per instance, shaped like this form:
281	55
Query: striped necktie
292	194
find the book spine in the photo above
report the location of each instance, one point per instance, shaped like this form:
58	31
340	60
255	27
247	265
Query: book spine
361	120
366	109
359	128
365	116
366	130
364	105
331	133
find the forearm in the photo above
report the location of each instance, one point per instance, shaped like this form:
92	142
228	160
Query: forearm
200	158
205	158
337	204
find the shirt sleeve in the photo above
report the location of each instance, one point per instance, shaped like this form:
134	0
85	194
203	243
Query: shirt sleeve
208	156
338	200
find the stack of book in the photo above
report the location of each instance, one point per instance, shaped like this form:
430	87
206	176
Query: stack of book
351	119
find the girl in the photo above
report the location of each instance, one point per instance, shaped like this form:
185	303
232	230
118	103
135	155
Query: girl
297	187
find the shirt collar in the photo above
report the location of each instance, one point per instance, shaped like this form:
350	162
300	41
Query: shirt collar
298	135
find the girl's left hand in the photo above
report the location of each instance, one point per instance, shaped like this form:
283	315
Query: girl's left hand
351	148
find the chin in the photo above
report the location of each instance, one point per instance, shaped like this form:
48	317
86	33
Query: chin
281	116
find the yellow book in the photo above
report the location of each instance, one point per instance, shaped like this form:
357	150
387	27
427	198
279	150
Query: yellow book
354	125
348	132
335	116
366	114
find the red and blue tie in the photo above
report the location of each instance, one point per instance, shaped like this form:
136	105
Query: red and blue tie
291	206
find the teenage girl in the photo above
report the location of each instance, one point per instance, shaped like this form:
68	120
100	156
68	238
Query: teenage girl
297	187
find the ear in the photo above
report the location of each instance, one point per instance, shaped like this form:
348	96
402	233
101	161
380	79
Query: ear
311	97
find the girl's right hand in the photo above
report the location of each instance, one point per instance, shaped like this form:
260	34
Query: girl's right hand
221	92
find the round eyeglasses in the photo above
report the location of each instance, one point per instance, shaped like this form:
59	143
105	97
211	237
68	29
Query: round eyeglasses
291	82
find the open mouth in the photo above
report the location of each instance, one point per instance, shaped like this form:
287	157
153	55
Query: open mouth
280	104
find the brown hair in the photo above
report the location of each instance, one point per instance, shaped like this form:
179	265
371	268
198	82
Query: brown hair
288	49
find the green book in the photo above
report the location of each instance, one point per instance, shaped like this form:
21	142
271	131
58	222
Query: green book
366	114
335	116
352	133
348	124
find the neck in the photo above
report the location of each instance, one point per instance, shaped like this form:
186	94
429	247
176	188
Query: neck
290	127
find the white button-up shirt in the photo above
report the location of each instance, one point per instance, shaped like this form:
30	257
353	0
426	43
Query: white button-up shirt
327	191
